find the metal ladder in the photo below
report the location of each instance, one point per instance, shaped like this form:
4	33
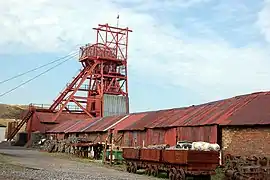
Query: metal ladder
20	125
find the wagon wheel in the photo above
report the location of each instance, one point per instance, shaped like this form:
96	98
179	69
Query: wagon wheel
134	168
228	161
257	160
149	170
172	174
146	170
228	157
128	167
252	160
180	174
131	167
239	166
154	171
263	161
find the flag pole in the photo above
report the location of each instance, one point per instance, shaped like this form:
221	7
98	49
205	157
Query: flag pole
117	19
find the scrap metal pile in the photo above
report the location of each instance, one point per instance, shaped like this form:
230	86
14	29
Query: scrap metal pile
80	147
65	145
247	168
57	146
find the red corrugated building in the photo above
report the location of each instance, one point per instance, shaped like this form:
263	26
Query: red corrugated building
238	124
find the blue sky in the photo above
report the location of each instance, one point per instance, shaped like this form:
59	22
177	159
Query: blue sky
181	52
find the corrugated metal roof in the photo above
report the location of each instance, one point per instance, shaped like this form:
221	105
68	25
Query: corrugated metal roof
46	117
256	112
63	126
129	121
80	126
141	120
241	110
104	123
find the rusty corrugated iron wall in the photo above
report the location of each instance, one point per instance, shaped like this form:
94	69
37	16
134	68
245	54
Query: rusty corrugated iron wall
171	136
133	138
198	133
155	136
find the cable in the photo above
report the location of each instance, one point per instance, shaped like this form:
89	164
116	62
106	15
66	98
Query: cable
9	91
39	67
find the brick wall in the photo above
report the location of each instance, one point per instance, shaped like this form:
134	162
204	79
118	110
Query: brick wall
246	141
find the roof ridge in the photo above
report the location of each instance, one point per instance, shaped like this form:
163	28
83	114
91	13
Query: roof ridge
204	104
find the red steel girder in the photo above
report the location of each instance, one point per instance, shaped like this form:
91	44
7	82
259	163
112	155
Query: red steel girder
87	71
104	72
67	90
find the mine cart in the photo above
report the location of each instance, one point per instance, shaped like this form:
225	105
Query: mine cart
178	164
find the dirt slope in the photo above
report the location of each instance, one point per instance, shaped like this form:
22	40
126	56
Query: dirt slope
9	112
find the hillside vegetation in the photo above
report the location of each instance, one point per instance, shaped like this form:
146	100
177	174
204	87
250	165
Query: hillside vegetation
9	112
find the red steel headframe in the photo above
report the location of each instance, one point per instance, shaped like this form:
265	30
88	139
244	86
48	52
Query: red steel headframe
104	72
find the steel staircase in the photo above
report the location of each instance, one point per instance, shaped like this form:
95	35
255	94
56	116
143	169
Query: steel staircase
20	125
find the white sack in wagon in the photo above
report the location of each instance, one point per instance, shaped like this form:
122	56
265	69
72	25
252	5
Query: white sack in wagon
205	146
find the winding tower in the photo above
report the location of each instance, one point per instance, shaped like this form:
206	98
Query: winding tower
100	88
103	80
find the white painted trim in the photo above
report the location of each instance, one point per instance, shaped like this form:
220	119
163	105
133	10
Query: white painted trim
116	123
91	124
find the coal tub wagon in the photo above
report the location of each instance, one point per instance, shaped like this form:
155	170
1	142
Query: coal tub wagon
178	164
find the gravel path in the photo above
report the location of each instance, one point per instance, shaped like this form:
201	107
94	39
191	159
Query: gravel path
30	164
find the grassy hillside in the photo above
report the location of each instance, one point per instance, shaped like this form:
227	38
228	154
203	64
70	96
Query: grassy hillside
9	112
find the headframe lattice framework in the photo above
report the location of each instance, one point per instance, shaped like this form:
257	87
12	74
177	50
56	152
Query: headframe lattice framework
104	72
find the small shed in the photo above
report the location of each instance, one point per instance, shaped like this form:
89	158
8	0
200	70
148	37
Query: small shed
2	132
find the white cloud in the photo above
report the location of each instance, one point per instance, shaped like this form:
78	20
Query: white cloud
142	5
211	66
263	20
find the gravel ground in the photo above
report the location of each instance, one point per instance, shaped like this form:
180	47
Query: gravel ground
23	164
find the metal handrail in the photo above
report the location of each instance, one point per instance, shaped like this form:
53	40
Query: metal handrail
83	86
95	50
42	106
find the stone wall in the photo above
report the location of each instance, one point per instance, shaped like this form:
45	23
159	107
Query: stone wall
246	141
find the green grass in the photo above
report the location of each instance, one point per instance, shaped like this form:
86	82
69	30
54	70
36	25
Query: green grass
219	175
6	162
3	159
